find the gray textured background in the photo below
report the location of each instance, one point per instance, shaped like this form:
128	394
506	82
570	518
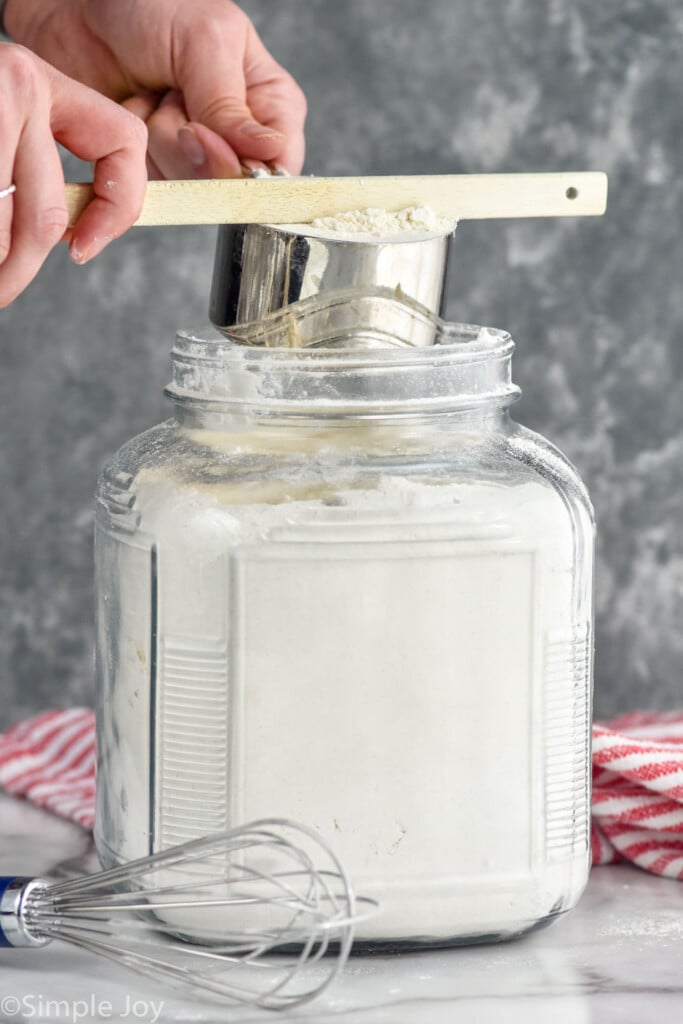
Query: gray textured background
596	305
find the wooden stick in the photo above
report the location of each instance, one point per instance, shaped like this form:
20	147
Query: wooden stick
299	200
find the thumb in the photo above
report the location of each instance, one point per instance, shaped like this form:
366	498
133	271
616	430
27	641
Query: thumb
215	94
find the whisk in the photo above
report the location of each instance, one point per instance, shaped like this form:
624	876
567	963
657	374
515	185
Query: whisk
262	914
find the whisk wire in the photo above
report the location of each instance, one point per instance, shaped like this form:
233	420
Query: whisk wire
262	914
272	998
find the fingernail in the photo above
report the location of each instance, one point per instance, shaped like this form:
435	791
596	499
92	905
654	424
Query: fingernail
82	256
280	172
254	169
254	130
191	146
75	253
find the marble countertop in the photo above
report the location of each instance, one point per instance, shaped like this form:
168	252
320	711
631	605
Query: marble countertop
616	959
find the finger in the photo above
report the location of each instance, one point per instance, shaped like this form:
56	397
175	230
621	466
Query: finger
153	172
255	169
281	104
276	101
183	150
143	104
7	201
35	217
38	214
215	91
98	130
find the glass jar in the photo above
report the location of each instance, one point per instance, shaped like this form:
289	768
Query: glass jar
341	585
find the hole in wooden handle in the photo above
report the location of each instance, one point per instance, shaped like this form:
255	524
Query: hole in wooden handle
572	193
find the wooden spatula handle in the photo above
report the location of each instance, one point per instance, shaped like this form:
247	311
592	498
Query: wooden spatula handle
299	200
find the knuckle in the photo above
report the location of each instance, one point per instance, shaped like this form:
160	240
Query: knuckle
138	132
23	70
130	132
235	13
50	224
299	100
223	109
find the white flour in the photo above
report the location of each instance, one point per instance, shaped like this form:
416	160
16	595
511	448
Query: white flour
374	223
379	662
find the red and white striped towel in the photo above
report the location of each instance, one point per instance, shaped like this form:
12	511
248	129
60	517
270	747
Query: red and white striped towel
51	760
637	780
638	791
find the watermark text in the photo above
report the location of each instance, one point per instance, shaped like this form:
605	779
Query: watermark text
32	1006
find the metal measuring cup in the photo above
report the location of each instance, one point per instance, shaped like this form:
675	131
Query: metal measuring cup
260	269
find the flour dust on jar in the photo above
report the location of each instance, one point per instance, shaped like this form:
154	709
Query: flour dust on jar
343	586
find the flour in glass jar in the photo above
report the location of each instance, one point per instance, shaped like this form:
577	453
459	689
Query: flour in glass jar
384	634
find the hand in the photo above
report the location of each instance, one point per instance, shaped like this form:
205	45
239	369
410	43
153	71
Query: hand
37	106
194	70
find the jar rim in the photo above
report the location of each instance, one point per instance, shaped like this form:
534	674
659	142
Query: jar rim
443	340
207	346
355	347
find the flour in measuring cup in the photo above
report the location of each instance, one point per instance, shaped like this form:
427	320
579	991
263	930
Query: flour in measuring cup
378	223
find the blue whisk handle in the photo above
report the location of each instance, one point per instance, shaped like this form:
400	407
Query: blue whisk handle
13	928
